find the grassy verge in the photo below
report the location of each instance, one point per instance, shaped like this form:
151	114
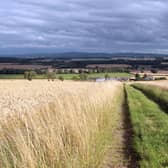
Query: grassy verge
150	130
72	132
156	93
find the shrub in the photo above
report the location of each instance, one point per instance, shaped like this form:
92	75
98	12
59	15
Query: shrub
51	76
161	78
75	78
106	76
83	76
137	76
29	75
154	71
61	78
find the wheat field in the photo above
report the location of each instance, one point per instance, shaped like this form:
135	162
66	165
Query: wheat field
163	83
55	124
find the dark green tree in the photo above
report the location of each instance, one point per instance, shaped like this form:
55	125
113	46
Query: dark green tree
51	76
154	71
137	76
145	76
29	75
61	78
106	76
26	74
83	76
75	78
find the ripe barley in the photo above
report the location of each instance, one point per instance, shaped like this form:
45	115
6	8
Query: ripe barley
54	124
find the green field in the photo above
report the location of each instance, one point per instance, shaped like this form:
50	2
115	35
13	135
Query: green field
150	125
6	76
114	74
68	76
97	75
20	76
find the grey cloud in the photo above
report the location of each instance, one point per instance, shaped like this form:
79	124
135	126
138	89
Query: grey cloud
84	25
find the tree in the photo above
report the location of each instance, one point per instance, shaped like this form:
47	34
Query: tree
50	76
61	78
75	78
71	71
145	76
66	71
154	71
90	71
83	76
26	74
137	76
29	75
59	71
80	71
106	76
142	71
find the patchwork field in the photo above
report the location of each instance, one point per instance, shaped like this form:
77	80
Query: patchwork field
69	76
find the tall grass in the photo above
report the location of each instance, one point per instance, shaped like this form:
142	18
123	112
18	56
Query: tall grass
69	132
156	93
150	130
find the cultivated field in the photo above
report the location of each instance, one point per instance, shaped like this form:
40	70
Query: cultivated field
69	76
56	124
163	84
83	124
21	67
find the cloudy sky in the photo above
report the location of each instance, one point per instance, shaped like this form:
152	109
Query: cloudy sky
36	26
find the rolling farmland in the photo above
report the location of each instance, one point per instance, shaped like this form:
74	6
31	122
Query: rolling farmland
83	84
69	76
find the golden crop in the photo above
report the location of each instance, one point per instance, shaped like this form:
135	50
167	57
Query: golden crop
162	84
54	124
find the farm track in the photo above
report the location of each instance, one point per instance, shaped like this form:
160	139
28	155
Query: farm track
121	154
130	154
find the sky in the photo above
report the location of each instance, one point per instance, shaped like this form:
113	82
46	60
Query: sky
48	26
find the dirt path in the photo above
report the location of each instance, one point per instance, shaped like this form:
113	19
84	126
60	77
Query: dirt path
120	154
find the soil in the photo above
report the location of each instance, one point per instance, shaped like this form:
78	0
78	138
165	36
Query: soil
121	154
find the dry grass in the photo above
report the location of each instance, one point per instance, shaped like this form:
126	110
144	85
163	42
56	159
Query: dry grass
163	84
55	124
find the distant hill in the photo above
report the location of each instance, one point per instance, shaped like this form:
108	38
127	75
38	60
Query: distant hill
83	55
